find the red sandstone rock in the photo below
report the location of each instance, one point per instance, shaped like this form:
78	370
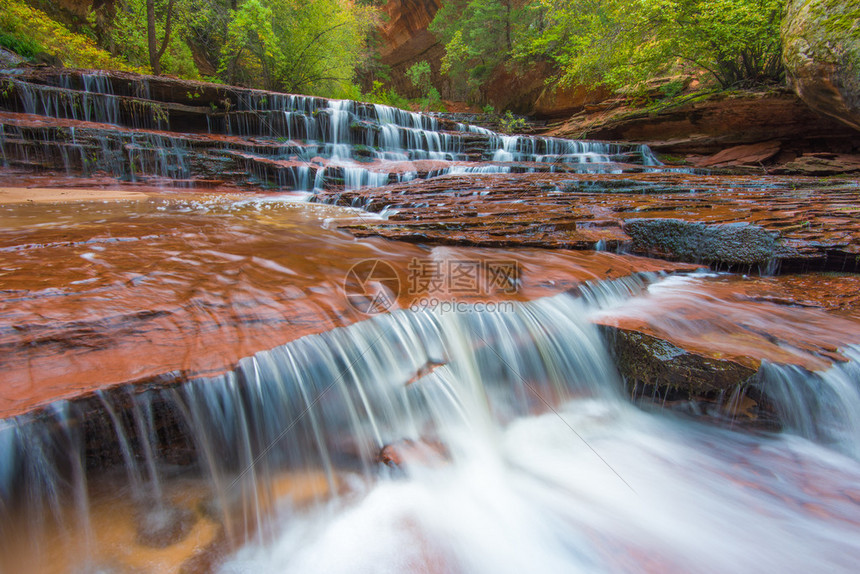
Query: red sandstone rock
821	53
526	91
795	319
409	451
710	124
190	295
405	40
821	164
815	224
753	154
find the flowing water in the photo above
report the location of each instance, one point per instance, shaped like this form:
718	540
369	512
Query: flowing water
188	386
302	143
515	446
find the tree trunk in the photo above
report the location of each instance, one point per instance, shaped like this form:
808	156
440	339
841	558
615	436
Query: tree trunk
155	53
154	60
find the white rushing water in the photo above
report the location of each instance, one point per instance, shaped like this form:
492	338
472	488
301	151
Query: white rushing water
519	454
310	143
579	481
535	498
592	486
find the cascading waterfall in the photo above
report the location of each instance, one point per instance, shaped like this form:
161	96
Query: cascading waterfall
476	401
476	441
276	138
823	406
325	403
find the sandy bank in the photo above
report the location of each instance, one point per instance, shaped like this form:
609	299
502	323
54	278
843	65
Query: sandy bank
12	195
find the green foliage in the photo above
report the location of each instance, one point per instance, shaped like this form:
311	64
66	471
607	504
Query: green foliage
672	88
127	35
433	101
616	43
619	43
478	36
18	20
379	95
23	46
419	75
294	46
205	27
511	124
488	109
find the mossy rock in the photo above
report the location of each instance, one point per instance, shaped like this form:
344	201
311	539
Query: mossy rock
651	361
730	244
821	52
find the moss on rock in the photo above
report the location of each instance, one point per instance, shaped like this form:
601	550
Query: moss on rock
692	241
652	361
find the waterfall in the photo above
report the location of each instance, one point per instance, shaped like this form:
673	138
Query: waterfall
325	402
331	403
475	440
822	406
350	144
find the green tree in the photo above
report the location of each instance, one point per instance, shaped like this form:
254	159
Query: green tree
419	75
23	23
206	24
478	36
155	51
620	43
159	44
295	46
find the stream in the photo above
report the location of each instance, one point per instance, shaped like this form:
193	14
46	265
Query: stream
211	375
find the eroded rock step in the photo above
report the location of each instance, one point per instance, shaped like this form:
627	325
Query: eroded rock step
730	222
141	128
99	294
715	343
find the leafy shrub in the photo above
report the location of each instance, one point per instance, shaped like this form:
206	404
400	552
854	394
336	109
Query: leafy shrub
18	20
510	124
671	89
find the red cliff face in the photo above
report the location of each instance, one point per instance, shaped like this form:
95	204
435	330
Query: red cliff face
405	40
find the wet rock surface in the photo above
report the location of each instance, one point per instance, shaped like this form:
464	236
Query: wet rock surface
708	335
184	285
724	243
648	360
700	345
821	164
160	526
9	59
705	125
729	221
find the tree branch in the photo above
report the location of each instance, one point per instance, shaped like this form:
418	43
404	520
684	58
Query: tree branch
167	27
313	40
